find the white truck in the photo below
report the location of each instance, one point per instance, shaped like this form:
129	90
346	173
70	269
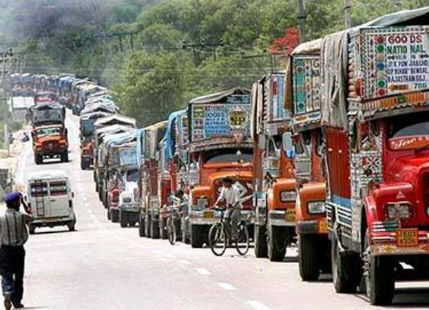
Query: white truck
50	199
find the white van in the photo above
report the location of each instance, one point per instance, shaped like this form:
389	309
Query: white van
50	199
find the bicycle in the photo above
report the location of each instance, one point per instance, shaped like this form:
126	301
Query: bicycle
173	217
220	236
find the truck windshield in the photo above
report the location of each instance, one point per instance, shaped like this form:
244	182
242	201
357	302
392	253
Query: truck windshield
132	175
230	156
416	124
48	131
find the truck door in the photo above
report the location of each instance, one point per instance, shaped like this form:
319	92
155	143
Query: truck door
39	198
59	198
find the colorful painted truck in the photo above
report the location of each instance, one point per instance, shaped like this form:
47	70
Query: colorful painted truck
172	161
274	179
219	147
150	201
49	133
375	106
309	144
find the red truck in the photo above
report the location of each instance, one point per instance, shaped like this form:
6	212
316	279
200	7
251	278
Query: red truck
375	106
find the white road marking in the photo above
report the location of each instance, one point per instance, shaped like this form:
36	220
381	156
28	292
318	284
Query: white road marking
226	286
203	271
185	262
257	305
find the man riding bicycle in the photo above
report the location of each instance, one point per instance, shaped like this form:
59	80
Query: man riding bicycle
229	198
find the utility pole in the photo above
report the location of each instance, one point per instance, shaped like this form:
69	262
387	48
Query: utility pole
347	18
301	20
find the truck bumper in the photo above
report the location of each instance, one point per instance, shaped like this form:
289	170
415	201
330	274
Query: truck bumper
282	218
387	238
319	226
209	217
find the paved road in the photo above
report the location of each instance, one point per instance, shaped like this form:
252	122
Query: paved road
104	267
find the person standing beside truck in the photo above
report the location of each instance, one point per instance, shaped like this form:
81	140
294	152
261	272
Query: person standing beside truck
14	234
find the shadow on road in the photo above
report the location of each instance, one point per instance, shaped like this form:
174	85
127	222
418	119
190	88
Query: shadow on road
407	298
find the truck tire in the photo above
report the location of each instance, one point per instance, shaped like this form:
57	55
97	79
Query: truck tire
114	214
32	229
148	225
83	165
197	236
345	268
379	280
38	159
276	243
65	157
123	219
260	241
142	230
308	257
163	228
185	231
154	229
71	225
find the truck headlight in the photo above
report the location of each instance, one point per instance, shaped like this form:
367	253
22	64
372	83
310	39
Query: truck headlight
398	210
287	196
316	207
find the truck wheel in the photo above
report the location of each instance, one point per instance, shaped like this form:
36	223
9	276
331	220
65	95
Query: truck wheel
379	278
260	241
276	243
148	225
65	157
32	229
308	257
82	164
196	236
154	229
185	231
114	215
142	230
123	219
71	225
109	217
345	268
38	159
163	228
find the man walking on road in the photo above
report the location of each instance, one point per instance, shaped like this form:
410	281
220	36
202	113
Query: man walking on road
12	254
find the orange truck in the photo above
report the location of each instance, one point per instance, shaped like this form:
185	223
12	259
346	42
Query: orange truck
49	132
274	179
309	148
219	147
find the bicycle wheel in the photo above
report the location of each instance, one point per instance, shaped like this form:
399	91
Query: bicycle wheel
217	239
171	231
243	241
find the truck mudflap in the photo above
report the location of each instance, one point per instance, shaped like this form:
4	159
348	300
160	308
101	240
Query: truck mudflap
209	217
317	226
282	217
389	238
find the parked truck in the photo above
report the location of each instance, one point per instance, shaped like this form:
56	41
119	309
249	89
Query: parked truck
375	98
219	147
150	201
310	153
274	178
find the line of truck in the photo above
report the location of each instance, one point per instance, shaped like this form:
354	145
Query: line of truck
334	150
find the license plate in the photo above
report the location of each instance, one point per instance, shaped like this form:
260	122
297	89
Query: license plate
407	237
208	214
290	215
323	226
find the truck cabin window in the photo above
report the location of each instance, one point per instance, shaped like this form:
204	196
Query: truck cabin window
48	131
222	156
411	132
132	175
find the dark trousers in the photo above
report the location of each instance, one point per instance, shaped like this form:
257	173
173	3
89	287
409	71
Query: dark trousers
12	260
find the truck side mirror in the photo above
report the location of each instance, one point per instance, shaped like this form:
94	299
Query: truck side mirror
287	144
